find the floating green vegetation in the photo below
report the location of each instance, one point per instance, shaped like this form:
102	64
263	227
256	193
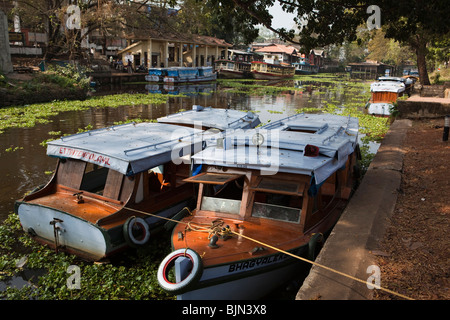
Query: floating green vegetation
374	128
131	277
30	115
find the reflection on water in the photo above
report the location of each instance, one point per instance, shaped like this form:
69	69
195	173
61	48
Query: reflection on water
29	166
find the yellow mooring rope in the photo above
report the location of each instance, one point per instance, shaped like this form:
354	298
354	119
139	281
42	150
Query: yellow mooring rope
196	227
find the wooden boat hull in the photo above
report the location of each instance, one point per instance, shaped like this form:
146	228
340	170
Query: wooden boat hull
305	72
269	76
232	74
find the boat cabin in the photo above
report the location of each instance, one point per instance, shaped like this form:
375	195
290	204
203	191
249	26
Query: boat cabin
279	186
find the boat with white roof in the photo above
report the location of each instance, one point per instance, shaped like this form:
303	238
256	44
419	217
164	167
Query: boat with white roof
262	192
385	92
112	185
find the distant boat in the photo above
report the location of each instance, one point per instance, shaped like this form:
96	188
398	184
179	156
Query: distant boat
109	183
156	74
232	69
270	71
305	68
181	74
385	92
280	186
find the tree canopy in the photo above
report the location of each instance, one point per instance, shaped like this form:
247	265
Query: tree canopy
413	22
416	23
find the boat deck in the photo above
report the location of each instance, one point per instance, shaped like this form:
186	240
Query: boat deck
91	209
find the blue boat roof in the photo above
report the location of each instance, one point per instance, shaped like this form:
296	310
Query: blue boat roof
129	148
280	146
222	119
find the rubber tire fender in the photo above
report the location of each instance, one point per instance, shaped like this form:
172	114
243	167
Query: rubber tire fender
314	245
187	283
128	234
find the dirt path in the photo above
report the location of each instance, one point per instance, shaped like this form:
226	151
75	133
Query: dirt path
415	253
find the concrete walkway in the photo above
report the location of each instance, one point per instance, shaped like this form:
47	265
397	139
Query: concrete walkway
361	226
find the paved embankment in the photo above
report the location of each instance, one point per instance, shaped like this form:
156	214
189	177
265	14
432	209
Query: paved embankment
361	226
417	107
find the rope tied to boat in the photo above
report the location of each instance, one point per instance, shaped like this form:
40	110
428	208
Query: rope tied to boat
216	229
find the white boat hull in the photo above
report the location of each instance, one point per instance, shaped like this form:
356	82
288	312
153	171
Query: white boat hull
74	233
381	109
254	278
80	236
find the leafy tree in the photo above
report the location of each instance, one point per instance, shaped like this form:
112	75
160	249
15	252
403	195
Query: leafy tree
414	22
388	50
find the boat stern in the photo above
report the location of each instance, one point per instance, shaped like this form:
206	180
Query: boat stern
63	231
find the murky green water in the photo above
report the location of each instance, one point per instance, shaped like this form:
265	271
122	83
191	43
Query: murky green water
24	164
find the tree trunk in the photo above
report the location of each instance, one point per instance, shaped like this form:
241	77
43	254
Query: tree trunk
421	51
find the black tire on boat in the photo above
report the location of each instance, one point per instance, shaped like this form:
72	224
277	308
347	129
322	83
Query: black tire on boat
136	232
185	284
314	246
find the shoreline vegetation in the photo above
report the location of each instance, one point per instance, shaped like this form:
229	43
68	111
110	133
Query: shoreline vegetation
132	275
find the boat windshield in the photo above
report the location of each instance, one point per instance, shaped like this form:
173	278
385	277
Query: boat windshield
222	192
277	200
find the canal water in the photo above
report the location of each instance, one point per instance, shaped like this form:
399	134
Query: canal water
25	165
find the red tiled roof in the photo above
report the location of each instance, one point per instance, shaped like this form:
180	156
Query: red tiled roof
278	48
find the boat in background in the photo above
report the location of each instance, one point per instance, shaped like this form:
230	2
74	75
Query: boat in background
111	186
304	67
156	74
181	74
229	69
269	71
279	187
385	92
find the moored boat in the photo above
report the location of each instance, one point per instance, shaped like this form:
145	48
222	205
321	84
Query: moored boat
229	69
189	74
181	74
111	187
305	68
262	192
269	71
156	74
385	92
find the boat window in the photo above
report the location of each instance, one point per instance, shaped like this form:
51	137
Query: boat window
280	207
278	186
94	178
156	179
221	205
225	198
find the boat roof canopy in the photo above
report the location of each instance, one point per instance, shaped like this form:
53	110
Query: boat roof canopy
222	119
318	149
129	148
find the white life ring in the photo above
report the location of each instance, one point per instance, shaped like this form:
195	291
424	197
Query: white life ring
136	231
186	283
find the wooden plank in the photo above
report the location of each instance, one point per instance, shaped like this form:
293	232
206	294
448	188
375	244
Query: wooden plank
70	173
113	184
213	178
